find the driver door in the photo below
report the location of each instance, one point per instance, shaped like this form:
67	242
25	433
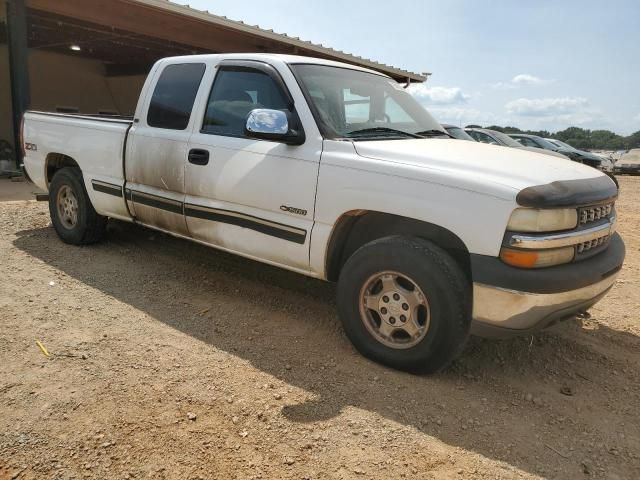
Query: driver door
252	197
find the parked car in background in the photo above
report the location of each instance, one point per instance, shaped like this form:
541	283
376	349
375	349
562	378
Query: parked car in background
493	137
607	165
587	158
457	132
617	155
608	159
629	163
536	141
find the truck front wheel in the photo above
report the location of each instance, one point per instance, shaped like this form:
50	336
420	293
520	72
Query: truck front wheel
406	303
72	214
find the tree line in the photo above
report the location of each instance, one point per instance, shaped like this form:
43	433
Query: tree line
583	138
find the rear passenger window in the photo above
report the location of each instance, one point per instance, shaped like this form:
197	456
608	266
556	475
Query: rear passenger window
174	95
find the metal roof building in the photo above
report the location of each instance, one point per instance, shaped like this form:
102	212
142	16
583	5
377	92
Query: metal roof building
91	56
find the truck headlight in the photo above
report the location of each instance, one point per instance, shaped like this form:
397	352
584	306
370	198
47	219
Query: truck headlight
536	258
542	220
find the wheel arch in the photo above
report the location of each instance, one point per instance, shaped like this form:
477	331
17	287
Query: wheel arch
359	227
55	161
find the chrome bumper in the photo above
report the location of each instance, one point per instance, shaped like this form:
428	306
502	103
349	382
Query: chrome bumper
501	312
566	239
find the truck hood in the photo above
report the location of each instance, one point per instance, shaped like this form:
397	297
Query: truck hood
490	169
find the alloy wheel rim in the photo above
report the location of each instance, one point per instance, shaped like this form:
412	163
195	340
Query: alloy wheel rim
394	310
67	204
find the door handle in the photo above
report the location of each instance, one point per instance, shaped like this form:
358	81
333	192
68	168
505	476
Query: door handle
198	156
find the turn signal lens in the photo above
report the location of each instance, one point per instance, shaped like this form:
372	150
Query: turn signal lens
519	258
536	258
537	220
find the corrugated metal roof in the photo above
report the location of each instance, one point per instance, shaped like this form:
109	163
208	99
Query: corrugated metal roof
255	30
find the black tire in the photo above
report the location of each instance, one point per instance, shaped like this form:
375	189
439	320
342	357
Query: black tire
440	279
89	227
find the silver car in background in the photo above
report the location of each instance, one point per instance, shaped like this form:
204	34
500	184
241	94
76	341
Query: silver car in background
493	137
457	132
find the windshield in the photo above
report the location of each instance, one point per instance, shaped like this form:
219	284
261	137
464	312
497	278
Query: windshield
547	144
359	105
560	144
538	142
459	133
506	139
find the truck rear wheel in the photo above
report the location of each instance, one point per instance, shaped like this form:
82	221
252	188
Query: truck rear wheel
404	302
72	214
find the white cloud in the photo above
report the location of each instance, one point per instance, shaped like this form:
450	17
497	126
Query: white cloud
555	113
461	115
546	107
521	80
592	120
579	119
637	117
526	79
503	86
438	95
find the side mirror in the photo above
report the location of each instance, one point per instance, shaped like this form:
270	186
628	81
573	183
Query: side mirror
268	124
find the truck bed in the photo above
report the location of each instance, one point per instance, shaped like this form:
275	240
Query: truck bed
95	143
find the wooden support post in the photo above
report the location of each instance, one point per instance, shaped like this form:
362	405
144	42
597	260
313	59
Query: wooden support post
18	66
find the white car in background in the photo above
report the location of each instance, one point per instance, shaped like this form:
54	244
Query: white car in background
629	163
606	165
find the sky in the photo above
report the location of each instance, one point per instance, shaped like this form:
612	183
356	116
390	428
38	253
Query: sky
540	64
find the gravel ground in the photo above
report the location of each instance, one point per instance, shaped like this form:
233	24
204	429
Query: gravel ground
171	360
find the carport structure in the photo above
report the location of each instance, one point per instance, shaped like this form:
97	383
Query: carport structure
92	56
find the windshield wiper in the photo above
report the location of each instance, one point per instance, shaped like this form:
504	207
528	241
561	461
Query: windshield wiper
434	132
384	130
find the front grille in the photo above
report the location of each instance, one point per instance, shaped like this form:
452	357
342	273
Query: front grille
593	214
585	247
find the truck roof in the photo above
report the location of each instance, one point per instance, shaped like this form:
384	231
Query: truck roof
277	57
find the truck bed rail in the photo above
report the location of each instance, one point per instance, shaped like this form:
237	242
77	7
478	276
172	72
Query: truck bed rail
126	119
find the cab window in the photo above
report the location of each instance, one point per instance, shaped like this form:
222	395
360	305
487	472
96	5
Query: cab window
234	94
174	95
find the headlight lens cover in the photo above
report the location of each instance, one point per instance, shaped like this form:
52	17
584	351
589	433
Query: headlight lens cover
542	220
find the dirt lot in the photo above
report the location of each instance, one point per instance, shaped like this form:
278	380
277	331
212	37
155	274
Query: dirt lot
171	360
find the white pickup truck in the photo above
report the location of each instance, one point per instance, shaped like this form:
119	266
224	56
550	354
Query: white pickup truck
336	172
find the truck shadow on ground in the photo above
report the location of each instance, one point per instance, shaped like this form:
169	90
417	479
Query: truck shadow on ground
502	399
